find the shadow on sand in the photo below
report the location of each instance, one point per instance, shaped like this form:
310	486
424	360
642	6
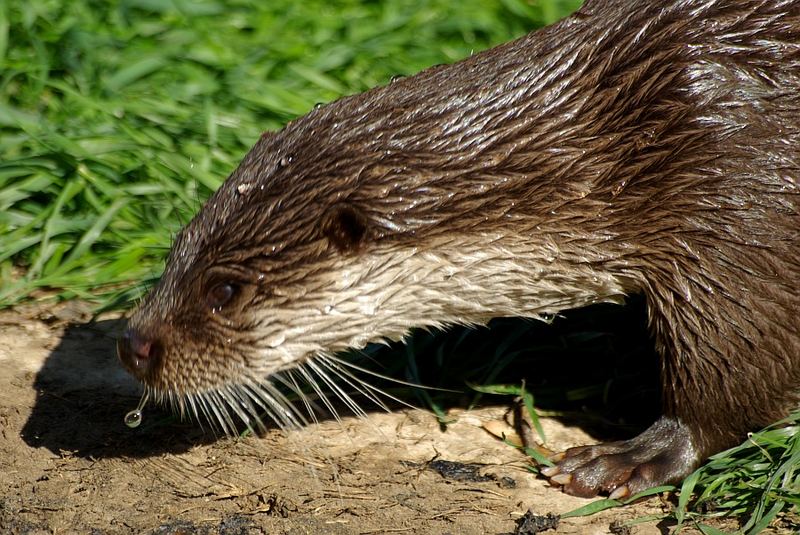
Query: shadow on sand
596	367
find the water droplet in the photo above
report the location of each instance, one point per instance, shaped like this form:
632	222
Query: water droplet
327	309
286	160
134	418
243	188
396	77
318	105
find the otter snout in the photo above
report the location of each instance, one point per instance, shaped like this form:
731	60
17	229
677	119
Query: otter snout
138	353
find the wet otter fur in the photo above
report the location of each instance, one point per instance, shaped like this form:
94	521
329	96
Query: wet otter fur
634	147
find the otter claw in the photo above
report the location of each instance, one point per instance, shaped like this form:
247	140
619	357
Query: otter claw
550	471
562	479
620	493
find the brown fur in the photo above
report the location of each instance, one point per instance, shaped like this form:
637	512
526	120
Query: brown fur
635	147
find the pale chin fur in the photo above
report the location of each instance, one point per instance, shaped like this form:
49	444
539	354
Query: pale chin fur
381	295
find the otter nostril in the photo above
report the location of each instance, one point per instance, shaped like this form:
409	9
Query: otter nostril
137	353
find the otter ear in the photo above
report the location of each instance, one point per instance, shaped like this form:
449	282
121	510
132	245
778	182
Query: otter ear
345	226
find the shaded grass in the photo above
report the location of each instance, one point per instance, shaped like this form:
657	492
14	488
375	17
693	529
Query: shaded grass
118	119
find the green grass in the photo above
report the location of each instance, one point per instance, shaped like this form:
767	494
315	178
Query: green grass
757	482
118	118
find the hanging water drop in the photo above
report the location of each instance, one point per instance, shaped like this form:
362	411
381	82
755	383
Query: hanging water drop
134	418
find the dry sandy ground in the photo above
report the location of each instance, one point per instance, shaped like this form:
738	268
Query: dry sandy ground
69	465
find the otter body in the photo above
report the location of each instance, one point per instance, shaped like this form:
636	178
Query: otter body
634	147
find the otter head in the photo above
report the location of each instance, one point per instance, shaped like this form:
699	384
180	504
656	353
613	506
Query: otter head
278	267
435	200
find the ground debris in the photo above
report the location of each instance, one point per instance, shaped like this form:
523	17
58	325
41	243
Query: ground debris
464	472
619	528
459	471
230	525
267	503
531	523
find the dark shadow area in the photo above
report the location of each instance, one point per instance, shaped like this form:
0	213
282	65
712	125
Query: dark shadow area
83	394
666	526
594	367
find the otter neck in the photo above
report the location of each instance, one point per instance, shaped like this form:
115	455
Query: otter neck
461	280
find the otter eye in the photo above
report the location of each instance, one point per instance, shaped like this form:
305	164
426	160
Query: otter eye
346	227
220	294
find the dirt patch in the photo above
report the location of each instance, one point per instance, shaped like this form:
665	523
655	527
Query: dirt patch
68	463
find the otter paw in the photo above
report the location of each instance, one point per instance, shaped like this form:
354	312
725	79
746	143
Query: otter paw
662	454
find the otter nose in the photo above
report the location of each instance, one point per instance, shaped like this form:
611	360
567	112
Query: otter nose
137	353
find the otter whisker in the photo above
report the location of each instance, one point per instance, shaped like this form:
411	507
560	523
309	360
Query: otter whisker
274	403
236	400
190	400
348	364
220	409
211	413
288	379
337	389
179	403
202	402
364	388
301	369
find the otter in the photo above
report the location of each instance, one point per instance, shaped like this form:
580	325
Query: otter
648	147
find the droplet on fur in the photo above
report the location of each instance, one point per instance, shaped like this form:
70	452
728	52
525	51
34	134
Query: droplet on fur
396	77
285	161
327	309
318	105
244	188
